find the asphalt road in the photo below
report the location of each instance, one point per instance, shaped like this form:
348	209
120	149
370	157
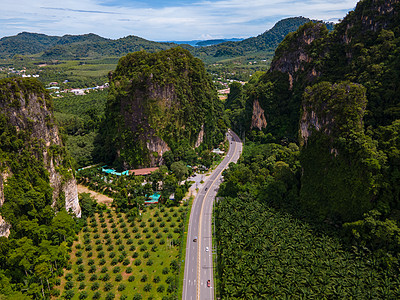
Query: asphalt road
198	261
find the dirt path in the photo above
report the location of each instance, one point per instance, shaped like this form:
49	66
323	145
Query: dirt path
99	197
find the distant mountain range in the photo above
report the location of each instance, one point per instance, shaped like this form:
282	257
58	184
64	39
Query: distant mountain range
94	46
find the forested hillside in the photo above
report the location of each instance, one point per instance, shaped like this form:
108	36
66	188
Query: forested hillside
159	102
36	182
335	94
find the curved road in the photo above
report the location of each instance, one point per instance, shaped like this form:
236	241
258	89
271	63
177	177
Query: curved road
198	261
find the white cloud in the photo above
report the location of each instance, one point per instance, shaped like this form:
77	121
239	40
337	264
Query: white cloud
227	18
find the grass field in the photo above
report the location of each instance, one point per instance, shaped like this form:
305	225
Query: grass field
117	258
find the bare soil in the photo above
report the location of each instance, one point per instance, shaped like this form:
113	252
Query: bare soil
99	197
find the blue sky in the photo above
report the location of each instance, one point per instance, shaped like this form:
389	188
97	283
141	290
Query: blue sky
161	20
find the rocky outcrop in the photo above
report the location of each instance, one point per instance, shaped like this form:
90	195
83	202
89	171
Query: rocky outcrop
333	109
258	118
27	107
200	138
158	102
292	55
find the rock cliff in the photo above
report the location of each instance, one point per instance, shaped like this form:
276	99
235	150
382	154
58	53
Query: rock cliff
158	102
258	118
28	130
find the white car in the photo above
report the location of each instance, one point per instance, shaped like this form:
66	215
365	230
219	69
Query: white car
206	249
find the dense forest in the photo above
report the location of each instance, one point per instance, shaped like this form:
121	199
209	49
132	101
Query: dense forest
335	95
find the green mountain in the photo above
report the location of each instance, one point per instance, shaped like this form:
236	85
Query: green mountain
94	46
266	41
159	102
338	94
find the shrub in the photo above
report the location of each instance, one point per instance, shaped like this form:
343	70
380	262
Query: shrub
69	285
161	288
137	297
108	286
92	269
110	296
68	276
118	278
69	294
106	277
131	278
93	277
147	287
137	262
81	277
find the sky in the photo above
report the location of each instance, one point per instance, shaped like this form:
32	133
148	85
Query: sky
175	20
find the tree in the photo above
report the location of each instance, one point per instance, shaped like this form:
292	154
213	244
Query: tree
180	170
